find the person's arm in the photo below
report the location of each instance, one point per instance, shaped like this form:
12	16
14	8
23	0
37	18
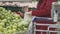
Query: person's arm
41	10
41	13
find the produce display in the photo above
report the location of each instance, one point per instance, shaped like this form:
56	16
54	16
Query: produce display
12	23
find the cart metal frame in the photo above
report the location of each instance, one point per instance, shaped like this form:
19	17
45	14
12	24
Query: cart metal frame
57	26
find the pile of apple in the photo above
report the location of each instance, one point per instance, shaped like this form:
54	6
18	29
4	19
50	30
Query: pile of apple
11	23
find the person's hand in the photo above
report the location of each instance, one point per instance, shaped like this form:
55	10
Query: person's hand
20	13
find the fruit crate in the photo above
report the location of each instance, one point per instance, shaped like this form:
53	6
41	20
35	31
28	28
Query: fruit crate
45	26
16	8
29	30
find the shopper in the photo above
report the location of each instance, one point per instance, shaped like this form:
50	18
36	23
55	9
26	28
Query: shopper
43	8
26	14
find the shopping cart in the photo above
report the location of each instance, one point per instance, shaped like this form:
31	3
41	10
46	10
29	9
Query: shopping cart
45	28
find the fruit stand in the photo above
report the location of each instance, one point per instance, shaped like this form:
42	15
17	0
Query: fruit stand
12	23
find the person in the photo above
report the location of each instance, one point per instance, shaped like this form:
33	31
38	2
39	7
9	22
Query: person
27	18
26	14
43	8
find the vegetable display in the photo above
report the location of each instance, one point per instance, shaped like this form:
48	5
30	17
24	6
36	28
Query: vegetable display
12	23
